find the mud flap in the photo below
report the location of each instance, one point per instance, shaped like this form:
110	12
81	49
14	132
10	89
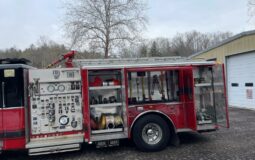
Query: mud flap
175	140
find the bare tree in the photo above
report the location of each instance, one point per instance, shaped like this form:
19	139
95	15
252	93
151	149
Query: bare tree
182	44
104	24
129	52
218	37
185	44
163	45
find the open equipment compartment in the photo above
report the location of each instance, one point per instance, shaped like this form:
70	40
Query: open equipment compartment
148	87
204	98
210	99
107	105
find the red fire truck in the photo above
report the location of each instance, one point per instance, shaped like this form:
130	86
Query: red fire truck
99	102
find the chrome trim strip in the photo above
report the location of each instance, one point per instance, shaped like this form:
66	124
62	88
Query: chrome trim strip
9	108
55	141
139	105
54	149
144	65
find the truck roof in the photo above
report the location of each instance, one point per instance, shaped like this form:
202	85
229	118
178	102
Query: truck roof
13	66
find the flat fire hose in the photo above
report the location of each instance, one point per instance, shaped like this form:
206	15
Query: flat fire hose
137	88
149	86
130	85
167	85
143	92
162	85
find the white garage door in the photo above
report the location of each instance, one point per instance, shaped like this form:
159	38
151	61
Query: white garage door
241	80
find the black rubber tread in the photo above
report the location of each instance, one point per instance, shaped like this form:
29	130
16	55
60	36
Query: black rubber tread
137	133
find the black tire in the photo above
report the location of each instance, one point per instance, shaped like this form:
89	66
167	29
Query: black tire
140	128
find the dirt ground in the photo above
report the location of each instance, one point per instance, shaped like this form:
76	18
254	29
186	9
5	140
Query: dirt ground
237	142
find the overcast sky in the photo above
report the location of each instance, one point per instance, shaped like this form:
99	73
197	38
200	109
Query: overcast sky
22	22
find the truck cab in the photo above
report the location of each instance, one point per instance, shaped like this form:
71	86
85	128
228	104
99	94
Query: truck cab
13	103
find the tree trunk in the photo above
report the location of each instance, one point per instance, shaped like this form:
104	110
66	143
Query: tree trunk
106	50
107	44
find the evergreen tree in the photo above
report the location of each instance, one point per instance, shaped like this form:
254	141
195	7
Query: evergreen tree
143	51
154	50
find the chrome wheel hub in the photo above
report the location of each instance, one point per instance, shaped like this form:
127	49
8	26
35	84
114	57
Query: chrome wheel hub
152	133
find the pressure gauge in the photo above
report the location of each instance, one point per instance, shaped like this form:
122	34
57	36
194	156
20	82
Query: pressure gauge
61	88
64	120
51	88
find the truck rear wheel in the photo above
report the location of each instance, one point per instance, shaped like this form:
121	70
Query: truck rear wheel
151	133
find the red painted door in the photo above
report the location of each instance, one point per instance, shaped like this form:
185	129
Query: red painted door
1	111
12	128
189	109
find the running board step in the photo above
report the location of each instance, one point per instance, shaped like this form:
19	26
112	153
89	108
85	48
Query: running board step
55	141
108	136
206	127
54	149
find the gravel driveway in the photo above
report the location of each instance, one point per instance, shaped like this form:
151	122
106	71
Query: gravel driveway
238	142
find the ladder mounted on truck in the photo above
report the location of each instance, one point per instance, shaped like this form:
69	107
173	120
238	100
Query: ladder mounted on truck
135	62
